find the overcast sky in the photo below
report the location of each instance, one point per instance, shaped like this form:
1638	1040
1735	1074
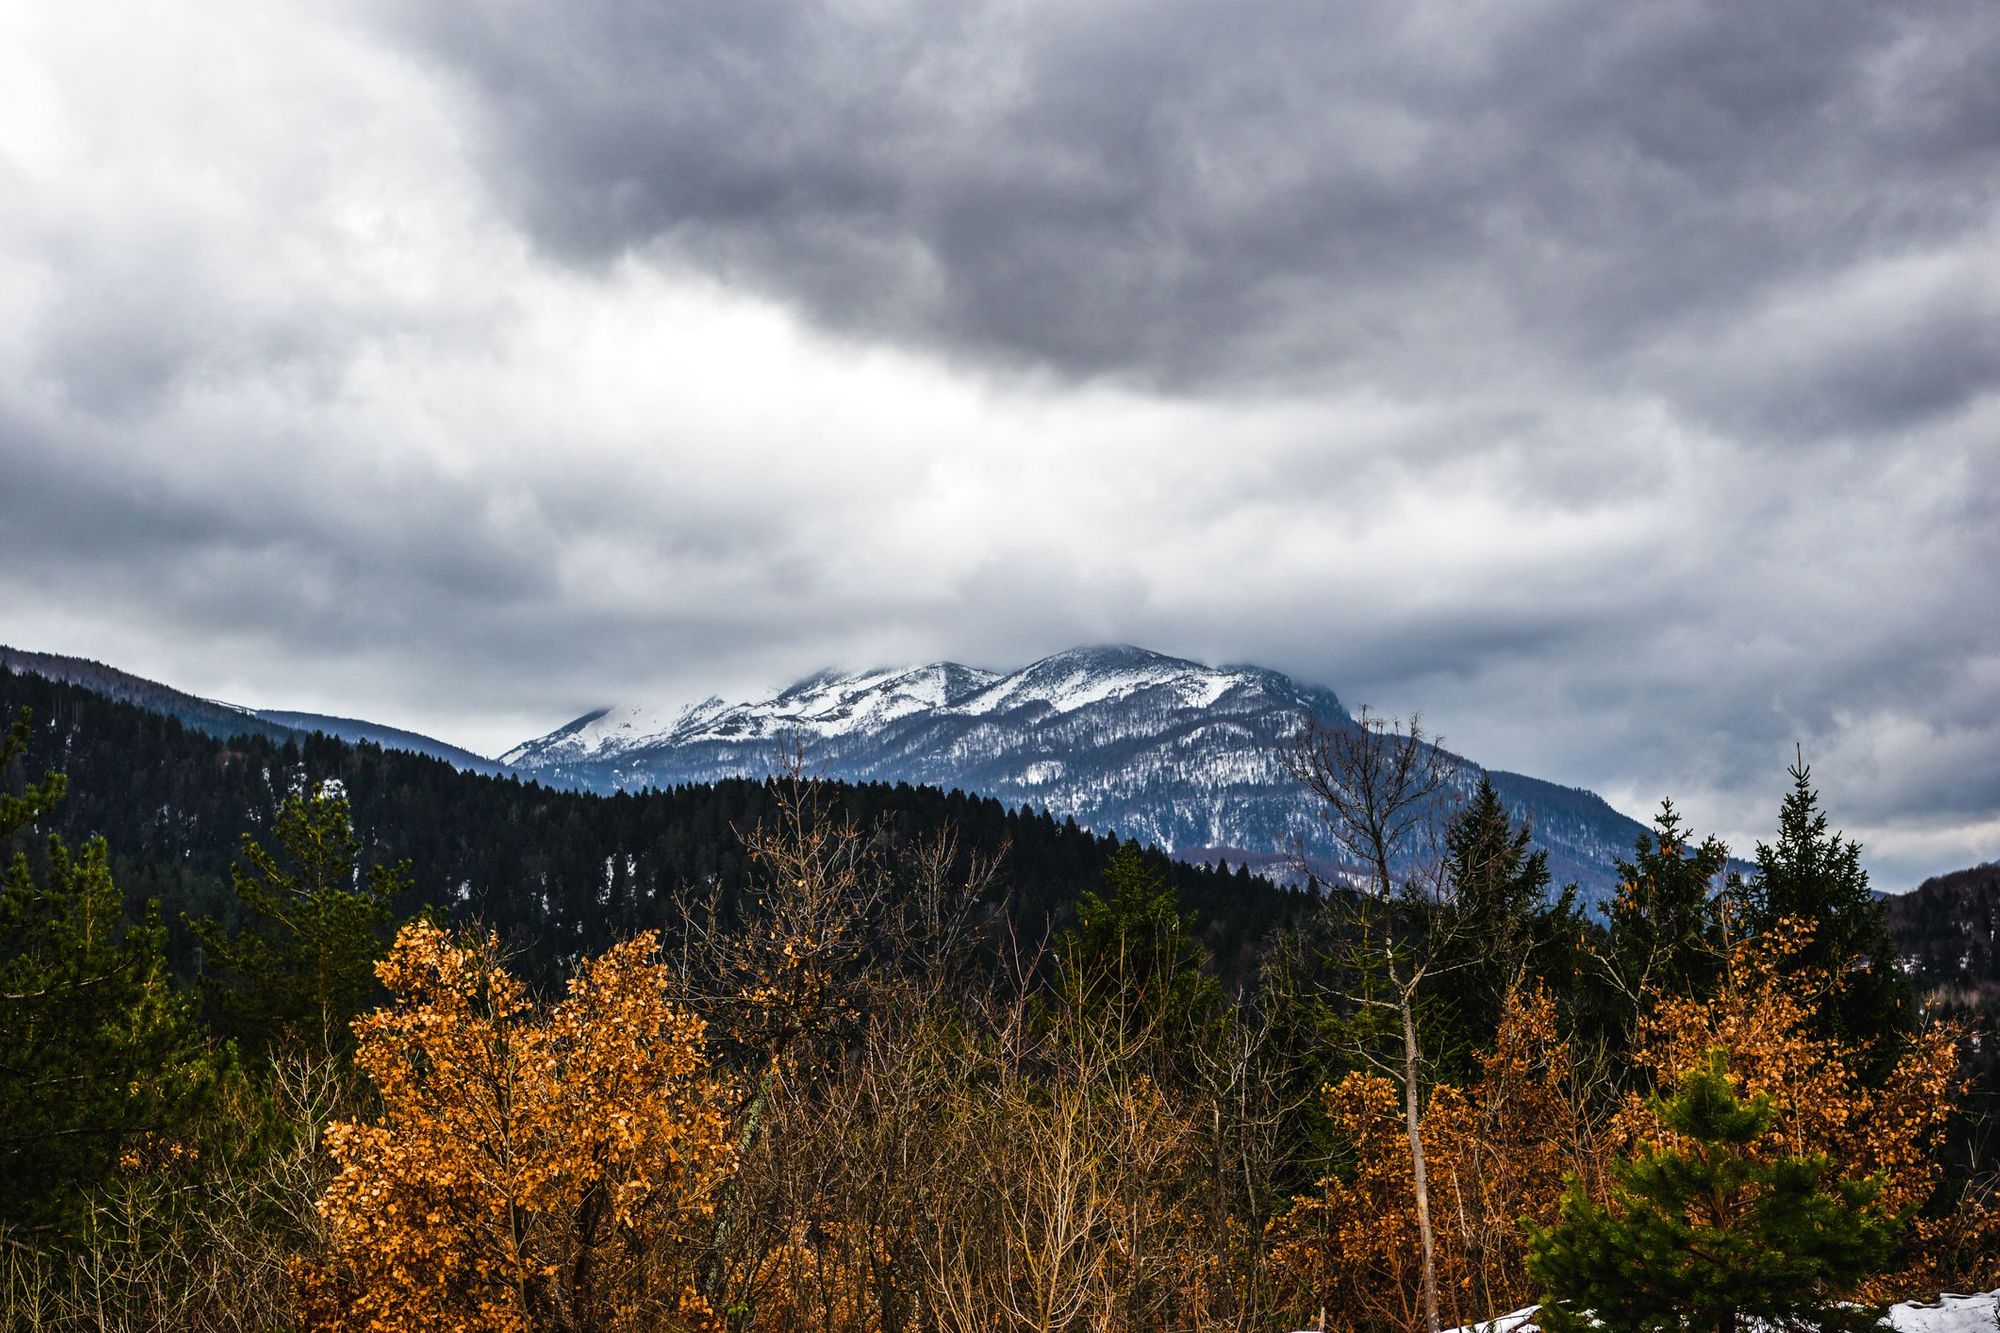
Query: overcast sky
1618	384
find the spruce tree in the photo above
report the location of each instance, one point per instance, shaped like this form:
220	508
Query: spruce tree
1665	934
1497	896
1132	958
1815	875
1708	1231
1496	881
100	1055
303	964
35	799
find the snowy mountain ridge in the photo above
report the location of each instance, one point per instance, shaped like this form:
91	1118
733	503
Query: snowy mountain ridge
833	704
1121	739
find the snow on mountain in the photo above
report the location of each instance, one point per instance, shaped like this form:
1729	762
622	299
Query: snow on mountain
1084	676
1118	738
819	707
610	731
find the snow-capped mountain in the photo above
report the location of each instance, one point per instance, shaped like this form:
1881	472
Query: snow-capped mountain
1121	739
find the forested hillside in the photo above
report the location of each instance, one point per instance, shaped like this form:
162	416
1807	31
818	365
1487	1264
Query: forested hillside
1948	930
556	872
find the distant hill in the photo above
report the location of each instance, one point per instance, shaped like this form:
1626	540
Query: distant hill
204	715
223	720
389	738
1124	741
1948	932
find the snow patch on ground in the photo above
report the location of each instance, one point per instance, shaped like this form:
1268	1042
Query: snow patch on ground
1949	1313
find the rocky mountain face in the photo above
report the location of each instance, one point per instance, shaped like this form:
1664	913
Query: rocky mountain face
1120	739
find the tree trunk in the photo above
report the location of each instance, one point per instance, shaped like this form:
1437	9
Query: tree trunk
1419	1180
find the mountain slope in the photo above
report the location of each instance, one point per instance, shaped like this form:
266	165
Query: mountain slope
223	720
1948	929
209	716
1119	738
353	730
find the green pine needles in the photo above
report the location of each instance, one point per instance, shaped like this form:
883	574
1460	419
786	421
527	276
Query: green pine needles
302	965
1709	1231
101	1056
1132	960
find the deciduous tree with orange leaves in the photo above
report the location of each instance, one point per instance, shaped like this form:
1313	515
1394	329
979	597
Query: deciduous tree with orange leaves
1499	1149
546	1167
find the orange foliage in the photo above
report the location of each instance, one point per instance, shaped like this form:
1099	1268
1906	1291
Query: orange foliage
836	1276
533	1167
1762	1017
1496	1152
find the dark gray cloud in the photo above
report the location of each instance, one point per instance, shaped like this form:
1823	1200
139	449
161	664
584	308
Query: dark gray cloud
1210	193
1615	384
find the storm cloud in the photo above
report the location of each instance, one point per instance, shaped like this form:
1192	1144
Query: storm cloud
1208	194
1615	384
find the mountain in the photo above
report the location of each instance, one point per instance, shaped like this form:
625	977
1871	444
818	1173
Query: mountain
1948	930
223	720
209	716
1121	739
354	730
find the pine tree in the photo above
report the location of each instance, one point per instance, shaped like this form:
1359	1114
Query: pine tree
1498	893
1815	876
1665	932
1132	957
100	1057
36	799
1706	1232
1882	1119
1495	879
303	965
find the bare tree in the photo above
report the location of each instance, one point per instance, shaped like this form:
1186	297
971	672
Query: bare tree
832	985
1382	787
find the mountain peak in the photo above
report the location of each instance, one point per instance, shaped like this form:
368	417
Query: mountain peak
1112	657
